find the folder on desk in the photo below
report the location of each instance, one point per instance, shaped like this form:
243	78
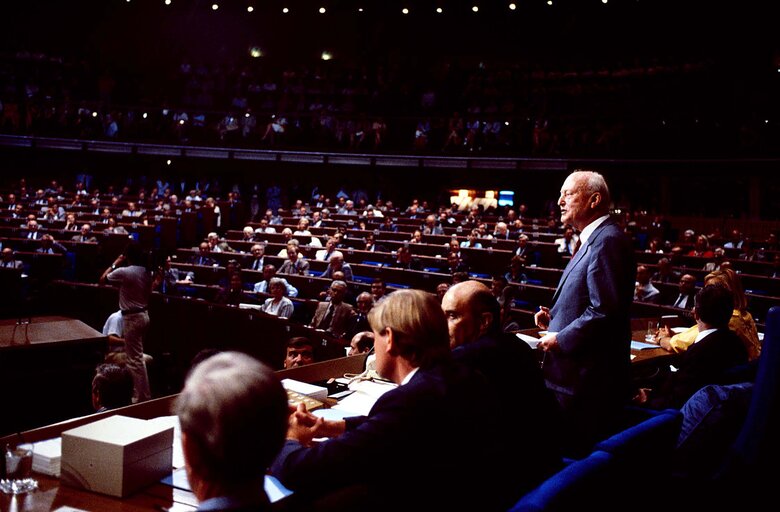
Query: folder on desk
641	345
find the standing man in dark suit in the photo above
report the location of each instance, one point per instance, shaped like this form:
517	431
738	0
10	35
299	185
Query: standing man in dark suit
588	345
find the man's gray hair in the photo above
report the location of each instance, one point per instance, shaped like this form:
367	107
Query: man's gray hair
595	182
233	410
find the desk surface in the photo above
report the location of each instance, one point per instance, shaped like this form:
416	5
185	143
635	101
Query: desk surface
51	495
44	330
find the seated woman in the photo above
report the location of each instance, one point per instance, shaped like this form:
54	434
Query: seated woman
278	304
741	321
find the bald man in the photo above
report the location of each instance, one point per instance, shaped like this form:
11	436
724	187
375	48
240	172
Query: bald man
512	369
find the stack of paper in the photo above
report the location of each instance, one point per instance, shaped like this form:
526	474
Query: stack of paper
366	392
316	392
532	342
46	456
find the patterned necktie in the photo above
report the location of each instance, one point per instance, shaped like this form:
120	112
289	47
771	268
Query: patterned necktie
576	247
325	322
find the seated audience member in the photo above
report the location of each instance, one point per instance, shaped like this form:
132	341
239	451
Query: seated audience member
701	248
644	291
336	263
361	343
327	252
278	304
50	246
233	293
511	367
718	260
32	231
113	228
497	287
333	315
204	256
217	245
258	257
172	278
567	242
372	246
269	271
741	322
715	349
248	234
359	320
300	351
459	277
378	288
516	272
70	223
295	263
264	228
523	249
8	260
437	425
750	251
441	289
85	235
405	260
114	330
112	387
501	231
233	414
455	264
665	272
287	233
472	240
508	323
685	298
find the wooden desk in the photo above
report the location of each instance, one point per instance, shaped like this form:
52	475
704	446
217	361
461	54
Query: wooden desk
51	495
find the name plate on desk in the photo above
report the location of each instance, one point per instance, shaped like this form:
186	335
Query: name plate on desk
117	455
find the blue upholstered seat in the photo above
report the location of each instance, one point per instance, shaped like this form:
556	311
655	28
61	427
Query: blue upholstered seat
579	486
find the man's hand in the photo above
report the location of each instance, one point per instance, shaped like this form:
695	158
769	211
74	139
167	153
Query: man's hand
304	426
549	342
542	317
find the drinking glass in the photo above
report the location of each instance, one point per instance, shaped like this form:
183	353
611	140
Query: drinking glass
652	329
18	470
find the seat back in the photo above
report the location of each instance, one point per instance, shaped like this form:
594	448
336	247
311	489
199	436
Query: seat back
647	444
582	485
758	443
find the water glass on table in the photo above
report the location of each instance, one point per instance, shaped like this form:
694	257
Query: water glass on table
18	470
652	331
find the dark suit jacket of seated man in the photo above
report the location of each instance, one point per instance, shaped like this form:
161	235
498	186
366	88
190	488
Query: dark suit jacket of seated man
716	350
436	441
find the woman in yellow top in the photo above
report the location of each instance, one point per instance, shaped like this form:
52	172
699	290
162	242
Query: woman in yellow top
741	320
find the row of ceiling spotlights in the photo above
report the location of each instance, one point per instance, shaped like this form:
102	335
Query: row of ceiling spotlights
322	10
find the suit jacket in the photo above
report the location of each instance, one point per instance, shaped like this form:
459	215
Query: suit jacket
705	362
300	267
78	238
37	236
203	260
512	370
414	446
688	303
339	322
12	264
590	371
